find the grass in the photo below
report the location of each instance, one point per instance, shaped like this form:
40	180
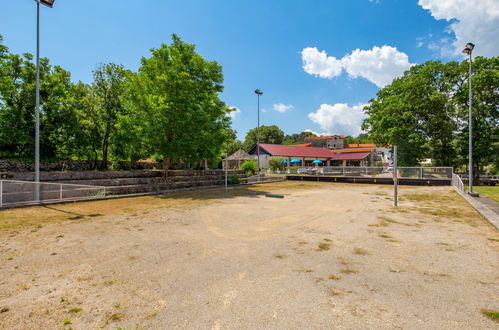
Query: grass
334	277
84	211
75	310
67	321
348	271
493	315
360	251
323	247
491	192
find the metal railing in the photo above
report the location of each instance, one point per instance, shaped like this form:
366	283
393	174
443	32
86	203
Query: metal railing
13	193
371	171
457	183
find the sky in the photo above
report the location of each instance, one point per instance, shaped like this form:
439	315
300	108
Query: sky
317	62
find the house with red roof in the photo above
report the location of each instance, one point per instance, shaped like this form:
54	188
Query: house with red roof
307	155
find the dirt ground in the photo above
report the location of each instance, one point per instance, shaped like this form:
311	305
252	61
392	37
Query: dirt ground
324	256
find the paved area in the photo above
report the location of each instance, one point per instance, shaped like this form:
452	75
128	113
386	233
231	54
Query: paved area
325	256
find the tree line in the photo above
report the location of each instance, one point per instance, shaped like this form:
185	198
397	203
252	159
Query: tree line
168	110
425	113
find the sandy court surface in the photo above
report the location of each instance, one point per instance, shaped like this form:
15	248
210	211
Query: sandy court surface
325	256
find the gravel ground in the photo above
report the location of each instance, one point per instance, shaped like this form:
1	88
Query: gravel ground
325	256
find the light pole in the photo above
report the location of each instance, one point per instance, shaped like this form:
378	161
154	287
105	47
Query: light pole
469	50
258	93
48	3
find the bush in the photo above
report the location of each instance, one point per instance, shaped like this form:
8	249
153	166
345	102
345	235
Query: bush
275	163
249	167
233	179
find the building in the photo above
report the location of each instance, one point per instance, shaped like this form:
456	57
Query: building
306	155
328	142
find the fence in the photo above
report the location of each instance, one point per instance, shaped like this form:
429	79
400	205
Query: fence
371	172
262	178
13	193
457	183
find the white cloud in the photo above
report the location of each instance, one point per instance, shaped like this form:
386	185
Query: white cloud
282	107
475	21
318	134
319	64
232	112
339	118
380	65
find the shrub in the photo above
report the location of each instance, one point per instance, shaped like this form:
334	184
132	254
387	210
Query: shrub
233	179
249	167
275	163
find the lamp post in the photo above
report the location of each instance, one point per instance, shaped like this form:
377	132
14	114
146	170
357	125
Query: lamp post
469	50
258	93
48	3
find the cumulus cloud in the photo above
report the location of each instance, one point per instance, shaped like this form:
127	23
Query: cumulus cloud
280	107
380	65
474	21
339	118
319	64
232	112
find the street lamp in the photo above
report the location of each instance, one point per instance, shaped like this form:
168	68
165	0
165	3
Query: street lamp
48	3
258	93
469	50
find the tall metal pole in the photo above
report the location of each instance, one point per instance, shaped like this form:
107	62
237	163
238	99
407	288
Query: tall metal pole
37	110
470	172
226	169
258	138
395	176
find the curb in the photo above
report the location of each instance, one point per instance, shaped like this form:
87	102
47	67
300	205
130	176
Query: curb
487	213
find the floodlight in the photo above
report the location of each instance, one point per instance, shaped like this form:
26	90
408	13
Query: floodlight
48	3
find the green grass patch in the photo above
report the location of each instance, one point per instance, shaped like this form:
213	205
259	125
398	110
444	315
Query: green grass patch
491	192
493	315
75	310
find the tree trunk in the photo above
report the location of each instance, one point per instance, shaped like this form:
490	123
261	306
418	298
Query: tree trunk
105	147
476	174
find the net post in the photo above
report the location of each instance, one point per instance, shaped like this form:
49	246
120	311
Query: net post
60	192
395	176
1	193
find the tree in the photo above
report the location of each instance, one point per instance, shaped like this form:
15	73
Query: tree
175	104
425	113
107	90
297	138
17	107
268	134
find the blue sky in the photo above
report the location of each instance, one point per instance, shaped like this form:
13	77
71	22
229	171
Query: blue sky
317	62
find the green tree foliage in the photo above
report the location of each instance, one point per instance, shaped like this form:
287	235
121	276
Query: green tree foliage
176	106
170	109
362	138
297	138
107	92
268	134
249	167
425	113
17	108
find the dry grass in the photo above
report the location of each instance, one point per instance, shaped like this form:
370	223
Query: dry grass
348	270
323	247
360	251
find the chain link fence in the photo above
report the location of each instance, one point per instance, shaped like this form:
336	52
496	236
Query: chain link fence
14	193
370	172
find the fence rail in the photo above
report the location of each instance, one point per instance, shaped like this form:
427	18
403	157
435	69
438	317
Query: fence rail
371	172
13	193
457	183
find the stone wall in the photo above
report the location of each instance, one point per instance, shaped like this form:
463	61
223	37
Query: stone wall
74	165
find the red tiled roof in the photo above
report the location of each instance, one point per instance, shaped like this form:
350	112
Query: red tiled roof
294	151
360	145
302	145
351	156
351	150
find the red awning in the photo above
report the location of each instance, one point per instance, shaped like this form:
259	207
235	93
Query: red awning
351	156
